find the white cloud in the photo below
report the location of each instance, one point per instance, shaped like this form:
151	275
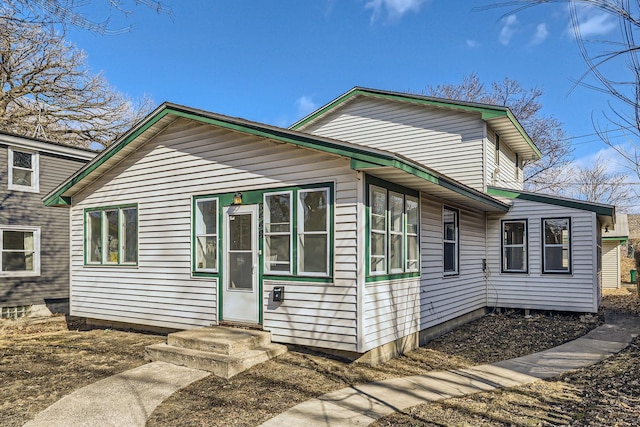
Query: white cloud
508	29
305	105
472	43
592	22
394	8
541	34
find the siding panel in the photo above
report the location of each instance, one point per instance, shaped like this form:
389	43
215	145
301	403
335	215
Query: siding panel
161	176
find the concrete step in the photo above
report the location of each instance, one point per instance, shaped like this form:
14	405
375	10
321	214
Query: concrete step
219	339
221	365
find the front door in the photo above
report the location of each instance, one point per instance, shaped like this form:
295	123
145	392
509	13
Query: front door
240	293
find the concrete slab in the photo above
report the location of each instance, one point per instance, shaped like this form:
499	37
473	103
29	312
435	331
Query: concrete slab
123	400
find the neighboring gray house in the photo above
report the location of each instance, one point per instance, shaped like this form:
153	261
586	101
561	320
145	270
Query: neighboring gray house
34	239
365	227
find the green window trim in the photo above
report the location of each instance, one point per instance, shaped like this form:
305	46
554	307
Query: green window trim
205	243
258	197
392	231
111	236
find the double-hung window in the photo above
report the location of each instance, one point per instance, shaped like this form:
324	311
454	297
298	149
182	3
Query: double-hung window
111	235
23	170
206	235
393	231
450	240
278	233
20	251
514	246
313	232
556	245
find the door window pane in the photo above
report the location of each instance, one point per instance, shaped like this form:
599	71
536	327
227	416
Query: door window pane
240	270
240	232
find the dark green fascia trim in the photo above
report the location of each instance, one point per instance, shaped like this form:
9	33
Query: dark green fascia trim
487	111
298	278
621	239
360	156
550	200
101	159
428	176
60	201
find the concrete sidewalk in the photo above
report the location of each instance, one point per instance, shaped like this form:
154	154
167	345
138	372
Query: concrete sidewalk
129	398
361	405
123	400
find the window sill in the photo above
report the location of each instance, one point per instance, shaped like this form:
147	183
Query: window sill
111	265
24	189
388	277
19	274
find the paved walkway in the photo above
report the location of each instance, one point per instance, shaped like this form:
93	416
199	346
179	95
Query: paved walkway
127	399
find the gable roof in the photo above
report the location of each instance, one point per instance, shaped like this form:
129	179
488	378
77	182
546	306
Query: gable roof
500	118
606	213
375	161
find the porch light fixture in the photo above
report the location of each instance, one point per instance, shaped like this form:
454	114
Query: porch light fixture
237	198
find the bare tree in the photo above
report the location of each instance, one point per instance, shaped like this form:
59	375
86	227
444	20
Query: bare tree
595	183
73	12
546	174
46	90
612	65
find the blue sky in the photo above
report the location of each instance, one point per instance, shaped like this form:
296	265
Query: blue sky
276	61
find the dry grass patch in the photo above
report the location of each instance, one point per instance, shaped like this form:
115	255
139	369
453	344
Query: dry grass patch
42	362
606	394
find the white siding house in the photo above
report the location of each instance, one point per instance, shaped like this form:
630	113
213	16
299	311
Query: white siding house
372	221
612	241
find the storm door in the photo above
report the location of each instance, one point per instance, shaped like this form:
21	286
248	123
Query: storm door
240	293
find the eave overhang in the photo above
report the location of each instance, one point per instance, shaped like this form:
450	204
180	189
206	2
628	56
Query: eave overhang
605	213
380	163
500	118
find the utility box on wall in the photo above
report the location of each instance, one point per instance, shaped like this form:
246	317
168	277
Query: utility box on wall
278	293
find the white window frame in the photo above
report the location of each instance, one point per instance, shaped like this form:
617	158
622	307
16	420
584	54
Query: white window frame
455	242
301	232
415	235
36	251
546	245
523	245
196	223
104	236
384	233
392	232
35	171
267	266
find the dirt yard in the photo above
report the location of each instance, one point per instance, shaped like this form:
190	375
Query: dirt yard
40	363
